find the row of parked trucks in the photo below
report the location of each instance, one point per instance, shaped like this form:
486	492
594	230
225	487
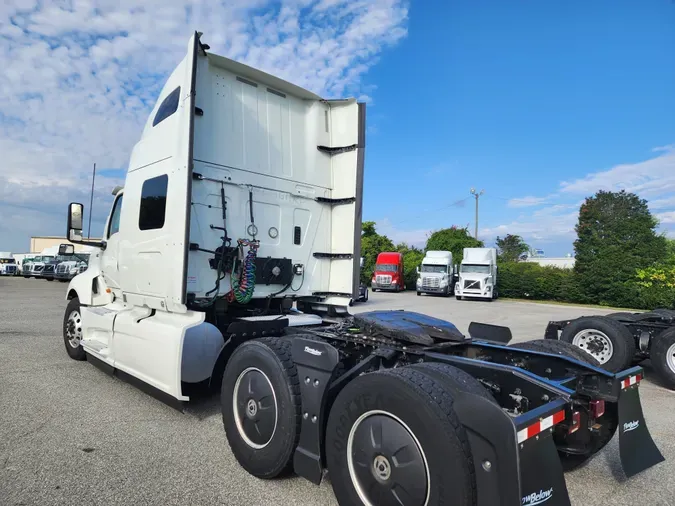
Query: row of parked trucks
47	265
474	278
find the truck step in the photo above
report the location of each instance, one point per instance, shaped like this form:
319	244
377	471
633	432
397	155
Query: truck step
97	346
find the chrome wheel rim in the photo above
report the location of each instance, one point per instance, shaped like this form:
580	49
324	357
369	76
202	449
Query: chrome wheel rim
670	358
74	329
595	343
254	404
386	462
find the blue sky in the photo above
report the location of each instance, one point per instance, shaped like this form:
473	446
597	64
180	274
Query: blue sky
517	97
538	103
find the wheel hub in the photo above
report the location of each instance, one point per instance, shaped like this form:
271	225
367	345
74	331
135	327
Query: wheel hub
381	468
595	343
670	358
255	408
74	329
386	462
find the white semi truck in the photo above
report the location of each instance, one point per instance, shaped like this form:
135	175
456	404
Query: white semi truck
477	274
8	265
242	199
436	274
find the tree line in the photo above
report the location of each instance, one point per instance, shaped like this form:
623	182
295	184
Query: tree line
620	258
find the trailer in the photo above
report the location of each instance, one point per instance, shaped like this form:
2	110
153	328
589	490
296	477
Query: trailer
622	339
229	266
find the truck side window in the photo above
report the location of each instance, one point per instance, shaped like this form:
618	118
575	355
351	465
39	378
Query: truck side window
153	203
167	107
114	226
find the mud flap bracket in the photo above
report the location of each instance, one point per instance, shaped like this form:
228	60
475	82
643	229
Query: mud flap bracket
315	362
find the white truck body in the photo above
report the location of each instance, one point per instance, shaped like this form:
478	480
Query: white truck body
435	275
8	265
478	274
222	132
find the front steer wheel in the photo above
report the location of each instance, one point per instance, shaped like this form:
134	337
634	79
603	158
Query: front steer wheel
72	330
578	448
383	445
260	400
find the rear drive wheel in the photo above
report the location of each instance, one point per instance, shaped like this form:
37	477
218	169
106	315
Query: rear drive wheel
663	356
260	400
72	330
607	340
383	446
578	448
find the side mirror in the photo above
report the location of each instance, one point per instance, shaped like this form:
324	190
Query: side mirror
66	250
75	213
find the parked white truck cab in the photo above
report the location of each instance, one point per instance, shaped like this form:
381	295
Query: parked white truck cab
8	265
436	274
241	197
477	274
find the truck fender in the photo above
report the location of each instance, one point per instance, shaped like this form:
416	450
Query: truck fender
202	346
90	287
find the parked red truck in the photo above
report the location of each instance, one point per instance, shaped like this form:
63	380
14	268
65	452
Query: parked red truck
388	273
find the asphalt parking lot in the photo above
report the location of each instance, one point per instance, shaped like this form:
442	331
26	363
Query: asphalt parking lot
71	435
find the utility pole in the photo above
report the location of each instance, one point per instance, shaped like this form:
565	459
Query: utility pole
91	202
477	195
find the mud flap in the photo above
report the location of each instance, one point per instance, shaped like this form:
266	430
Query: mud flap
508	473
636	446
541	473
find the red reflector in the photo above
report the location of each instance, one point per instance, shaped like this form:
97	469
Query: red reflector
597	408
632	380
576	422
541	425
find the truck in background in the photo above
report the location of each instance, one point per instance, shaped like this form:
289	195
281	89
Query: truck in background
477	274
69	268
388	274
436	274
8	265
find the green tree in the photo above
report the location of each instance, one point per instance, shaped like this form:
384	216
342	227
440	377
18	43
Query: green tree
512	248
453	239
372	244
412	259
616	236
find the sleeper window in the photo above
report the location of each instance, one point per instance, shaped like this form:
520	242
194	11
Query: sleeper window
114	226
168	107
153	203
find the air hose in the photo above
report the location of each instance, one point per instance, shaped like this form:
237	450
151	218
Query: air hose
243	278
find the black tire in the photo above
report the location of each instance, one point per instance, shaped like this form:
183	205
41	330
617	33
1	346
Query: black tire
667	313
663	352
623	315
366	297
72	328
454	378
401	402
272	431
49	279
458	297
419	294
576	449
623	342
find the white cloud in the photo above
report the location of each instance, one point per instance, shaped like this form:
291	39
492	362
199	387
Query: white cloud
413	237
79	78
527	201
652	179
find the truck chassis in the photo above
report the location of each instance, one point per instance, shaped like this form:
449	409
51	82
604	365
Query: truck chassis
619	340
309	398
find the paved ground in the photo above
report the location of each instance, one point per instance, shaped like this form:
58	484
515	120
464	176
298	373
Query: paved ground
71	435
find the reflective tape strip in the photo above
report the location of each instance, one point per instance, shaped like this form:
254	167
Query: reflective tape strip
633	380
541	425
